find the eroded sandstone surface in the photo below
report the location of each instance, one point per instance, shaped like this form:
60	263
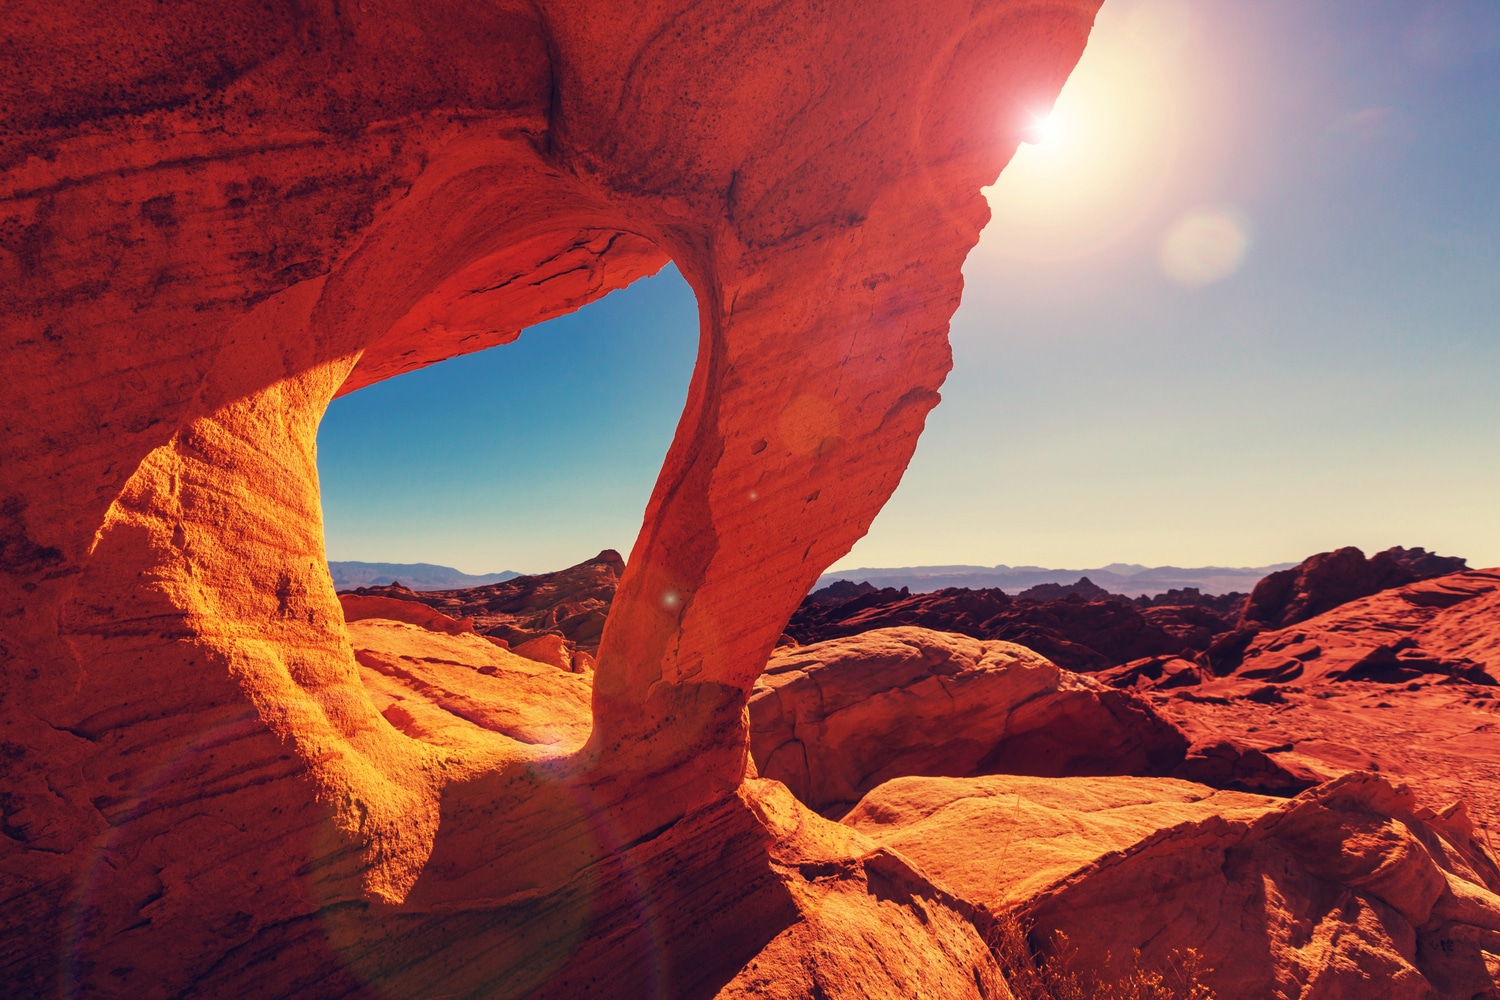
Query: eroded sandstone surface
215	218
1322	895
1352	890
836	719
216	779
572	603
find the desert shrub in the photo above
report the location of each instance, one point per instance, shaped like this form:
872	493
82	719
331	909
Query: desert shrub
1057	976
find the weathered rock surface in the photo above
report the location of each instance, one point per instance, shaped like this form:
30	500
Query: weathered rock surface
835	719
1441	737
1328	579
1077	634
217	217
452	690
359	607
1447	626
1352	890
1401	682
572	603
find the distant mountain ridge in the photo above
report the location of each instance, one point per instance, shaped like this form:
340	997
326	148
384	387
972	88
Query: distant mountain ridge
1131	579
417	576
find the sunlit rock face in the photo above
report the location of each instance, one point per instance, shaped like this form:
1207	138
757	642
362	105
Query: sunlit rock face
216	218
1350	891
835	719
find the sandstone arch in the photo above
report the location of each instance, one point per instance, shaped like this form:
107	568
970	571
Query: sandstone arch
215	218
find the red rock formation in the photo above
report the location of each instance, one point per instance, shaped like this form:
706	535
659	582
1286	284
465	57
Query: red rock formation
1449	626
1353	890
358	607
1085	588
1230	606
219	216
1077	634
452	691
1328	579
835	719
1403	682
572	603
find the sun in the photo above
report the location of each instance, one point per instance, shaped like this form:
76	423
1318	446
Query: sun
1046	130
1094	166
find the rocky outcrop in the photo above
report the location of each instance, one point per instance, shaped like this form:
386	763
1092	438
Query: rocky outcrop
218	217
1329	579
839	591
1229	606
1083	627
835	719
1447	626
453	690
572	603
1351	890
1076	634
359	607
1085	588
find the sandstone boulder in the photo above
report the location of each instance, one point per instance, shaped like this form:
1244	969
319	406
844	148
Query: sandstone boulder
835	719
358	607
1352	890
549	649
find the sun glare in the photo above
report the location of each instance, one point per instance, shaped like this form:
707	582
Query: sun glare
1095	167
1045	130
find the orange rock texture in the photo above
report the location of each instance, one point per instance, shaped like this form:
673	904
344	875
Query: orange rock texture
215	218
1351	891
835	719
572	603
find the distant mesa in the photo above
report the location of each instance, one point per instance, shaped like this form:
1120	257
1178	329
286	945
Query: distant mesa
418	576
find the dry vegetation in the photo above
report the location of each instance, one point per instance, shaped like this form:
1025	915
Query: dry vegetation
1034	976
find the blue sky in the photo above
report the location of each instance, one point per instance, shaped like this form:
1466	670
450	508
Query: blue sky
1240	304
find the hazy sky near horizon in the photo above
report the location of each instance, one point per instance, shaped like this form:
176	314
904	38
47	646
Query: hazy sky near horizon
1240	303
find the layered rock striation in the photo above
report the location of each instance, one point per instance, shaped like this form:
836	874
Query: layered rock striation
1353	890
836	719
215	219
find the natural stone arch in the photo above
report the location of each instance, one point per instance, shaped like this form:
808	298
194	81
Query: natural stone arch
211	237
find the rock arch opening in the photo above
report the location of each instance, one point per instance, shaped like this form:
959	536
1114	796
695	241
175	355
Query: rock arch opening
527	452
216	257
527	458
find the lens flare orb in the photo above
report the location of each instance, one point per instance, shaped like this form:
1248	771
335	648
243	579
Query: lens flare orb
1205	246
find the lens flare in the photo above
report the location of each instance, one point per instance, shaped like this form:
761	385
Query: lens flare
1205	246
